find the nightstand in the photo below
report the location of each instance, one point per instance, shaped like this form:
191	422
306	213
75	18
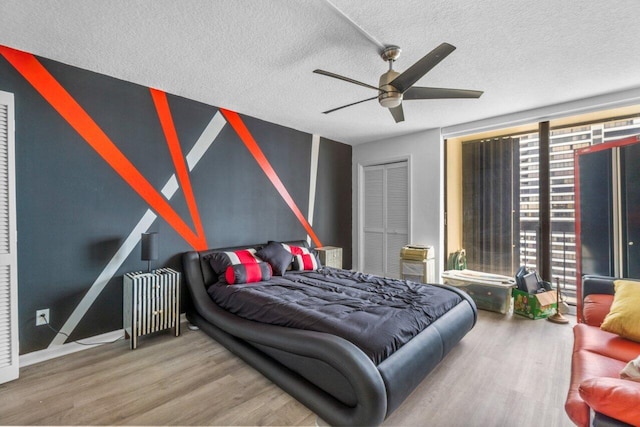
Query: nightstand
150	303
330	256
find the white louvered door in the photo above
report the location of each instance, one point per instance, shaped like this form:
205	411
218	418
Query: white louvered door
8	253
373	215
397	215
385	218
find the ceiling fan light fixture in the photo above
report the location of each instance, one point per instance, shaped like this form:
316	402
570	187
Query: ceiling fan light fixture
389	96
390	99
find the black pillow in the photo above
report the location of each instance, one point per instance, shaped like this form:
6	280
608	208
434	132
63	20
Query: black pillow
277	256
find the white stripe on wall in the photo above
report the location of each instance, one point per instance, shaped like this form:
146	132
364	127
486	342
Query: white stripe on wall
209	134
313	177
103	279
201	146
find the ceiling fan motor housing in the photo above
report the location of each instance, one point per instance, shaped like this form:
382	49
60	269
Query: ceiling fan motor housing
389	96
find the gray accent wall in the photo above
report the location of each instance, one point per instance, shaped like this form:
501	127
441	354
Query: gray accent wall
74	211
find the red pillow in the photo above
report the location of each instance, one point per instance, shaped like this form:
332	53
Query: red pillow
303	258
305	262
296	250
248	273
220	261
614	397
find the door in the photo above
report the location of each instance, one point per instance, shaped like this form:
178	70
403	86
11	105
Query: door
596	213
630	183
385	228
8	253
609	208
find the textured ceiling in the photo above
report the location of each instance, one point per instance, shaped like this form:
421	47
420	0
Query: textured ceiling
257	57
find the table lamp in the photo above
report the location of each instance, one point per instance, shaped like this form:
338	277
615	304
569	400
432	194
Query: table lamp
149	248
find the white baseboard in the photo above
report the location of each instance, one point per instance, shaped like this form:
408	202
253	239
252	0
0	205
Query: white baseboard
72	347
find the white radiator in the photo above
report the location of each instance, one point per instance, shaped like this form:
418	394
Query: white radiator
151	303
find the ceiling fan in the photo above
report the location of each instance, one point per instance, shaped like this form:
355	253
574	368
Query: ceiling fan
393	87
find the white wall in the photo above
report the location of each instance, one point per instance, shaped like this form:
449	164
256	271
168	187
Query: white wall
424	151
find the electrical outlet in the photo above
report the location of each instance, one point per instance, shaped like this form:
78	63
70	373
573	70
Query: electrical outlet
42	317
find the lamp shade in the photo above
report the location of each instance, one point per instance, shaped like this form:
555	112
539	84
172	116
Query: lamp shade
149	246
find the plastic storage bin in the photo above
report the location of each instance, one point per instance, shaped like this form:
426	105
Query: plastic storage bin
490	292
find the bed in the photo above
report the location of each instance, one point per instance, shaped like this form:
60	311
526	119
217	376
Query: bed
344	376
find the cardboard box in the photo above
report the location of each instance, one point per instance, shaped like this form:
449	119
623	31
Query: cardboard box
534	306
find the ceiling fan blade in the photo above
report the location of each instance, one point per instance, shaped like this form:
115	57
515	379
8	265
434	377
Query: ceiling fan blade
417	92
397	113
348	105
414	73
346	79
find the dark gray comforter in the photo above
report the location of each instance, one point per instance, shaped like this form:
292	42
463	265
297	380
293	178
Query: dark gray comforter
376	314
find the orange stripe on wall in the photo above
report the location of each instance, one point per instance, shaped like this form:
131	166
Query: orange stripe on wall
166	120
35	73
238	125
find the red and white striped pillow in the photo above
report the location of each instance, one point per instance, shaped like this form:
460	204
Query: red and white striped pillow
247	273
221	261
296	250
305	262
303	258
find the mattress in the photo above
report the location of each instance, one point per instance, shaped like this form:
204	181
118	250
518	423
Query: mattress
378	315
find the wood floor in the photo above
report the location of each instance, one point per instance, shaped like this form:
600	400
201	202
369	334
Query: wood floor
508	371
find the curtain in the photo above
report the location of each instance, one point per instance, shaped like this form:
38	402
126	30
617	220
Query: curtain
490	183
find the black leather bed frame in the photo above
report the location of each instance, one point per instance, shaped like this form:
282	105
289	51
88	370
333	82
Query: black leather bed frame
326	373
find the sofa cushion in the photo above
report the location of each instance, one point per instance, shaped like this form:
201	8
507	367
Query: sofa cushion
624	317
591	359
595	340
615	397
595	308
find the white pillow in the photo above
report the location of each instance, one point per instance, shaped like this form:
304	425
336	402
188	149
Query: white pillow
632	370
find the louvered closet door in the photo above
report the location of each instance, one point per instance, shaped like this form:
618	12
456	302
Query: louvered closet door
385	217
8	254
397	215
373	232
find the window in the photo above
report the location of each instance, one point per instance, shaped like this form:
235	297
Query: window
524	186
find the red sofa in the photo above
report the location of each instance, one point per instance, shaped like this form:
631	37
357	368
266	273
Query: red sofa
596	392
